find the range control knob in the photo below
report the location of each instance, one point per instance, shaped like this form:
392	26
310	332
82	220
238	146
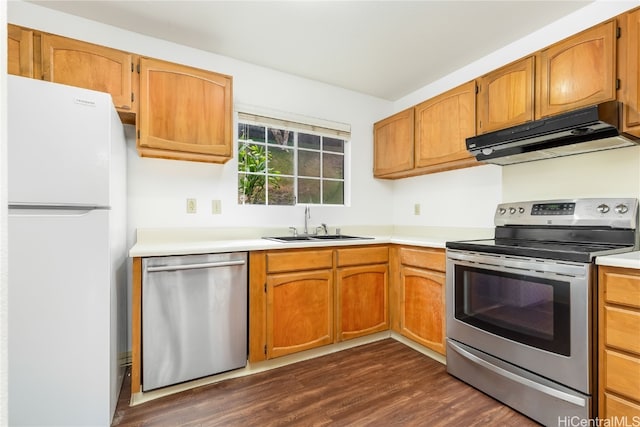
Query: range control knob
521	210
502	211
621	208
603	208
512	210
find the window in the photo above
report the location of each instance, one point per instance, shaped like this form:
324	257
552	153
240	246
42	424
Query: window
284	163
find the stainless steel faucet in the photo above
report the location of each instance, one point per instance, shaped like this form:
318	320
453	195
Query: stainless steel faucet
307	216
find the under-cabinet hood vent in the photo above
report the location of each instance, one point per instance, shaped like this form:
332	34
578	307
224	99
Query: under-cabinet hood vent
588	129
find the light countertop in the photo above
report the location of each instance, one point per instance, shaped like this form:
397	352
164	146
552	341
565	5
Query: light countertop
628	260
184	241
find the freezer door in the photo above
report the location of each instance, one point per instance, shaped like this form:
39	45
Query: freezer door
58	143
59	318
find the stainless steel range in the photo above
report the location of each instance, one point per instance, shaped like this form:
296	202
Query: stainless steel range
521	308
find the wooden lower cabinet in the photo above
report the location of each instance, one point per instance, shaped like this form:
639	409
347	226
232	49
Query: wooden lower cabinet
305	298
299	311
299	301
619	343
422	296
362	291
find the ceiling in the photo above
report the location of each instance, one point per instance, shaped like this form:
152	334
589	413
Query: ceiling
386	49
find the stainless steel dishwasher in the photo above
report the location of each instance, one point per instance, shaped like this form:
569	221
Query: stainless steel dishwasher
194	317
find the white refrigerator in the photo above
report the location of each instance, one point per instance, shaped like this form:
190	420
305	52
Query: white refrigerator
67	255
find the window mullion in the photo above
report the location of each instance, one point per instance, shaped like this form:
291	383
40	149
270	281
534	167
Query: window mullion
295	167
321	170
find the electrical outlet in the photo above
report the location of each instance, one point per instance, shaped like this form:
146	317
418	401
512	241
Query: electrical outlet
216	207
416	209
192	206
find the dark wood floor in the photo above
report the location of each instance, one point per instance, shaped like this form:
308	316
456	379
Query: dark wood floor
381	384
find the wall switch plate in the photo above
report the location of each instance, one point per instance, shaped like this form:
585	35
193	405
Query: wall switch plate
416	209
192	206
216	207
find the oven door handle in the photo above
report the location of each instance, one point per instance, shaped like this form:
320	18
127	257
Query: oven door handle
509	264
517	378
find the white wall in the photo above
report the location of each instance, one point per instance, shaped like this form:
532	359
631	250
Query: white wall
458	198
158	188
449	196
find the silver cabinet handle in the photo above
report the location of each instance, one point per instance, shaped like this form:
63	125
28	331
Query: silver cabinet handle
194	266
517	378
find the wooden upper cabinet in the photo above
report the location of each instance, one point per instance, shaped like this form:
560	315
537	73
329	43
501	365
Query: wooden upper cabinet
393	144
578	71
506	96
185	113
77	63
19	51
628	66
442	124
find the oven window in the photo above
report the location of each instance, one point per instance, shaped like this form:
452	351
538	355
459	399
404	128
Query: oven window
529	310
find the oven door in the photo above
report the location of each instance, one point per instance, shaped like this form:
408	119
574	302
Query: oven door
532	313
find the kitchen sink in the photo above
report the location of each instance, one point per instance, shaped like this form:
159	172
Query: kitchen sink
288	238
337	237
314	238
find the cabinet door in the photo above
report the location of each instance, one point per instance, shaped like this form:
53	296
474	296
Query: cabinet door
629	64
299	311
578	71
443	124
393	144
86	65
506	96
422	307
619	349
185	112
19	51
362	306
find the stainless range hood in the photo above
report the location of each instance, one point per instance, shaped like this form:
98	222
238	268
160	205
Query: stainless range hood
588	129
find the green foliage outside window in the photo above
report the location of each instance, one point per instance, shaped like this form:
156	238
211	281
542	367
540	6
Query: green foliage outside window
254	158
280	167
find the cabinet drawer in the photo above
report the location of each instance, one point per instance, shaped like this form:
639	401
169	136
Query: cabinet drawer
622	374
423	258
622	329
617	407
360	256
622	288
299	260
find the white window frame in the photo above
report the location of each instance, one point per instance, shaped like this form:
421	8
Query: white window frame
300	124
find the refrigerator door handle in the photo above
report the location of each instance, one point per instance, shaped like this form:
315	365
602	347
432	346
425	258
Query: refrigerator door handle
45	206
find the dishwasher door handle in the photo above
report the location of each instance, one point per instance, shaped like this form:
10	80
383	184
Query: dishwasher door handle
194	266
